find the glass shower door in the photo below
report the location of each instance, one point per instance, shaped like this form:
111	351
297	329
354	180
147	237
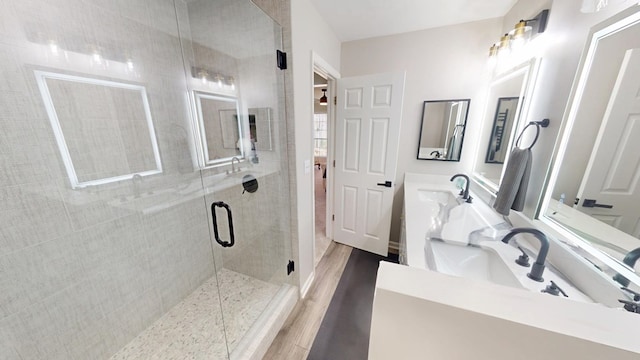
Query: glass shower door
124	123
237	96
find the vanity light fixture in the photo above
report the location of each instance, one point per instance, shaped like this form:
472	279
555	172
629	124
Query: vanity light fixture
522	32
213	78
323	99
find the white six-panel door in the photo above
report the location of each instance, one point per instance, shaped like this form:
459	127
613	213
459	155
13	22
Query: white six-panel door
613	174
369	111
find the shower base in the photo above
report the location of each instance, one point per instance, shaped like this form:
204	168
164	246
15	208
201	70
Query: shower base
195	327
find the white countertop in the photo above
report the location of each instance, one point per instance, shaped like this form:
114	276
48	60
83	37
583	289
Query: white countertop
457	232
416	226
588	321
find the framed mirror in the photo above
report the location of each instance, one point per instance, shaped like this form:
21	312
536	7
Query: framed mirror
442	129
593	189
507	107
503	121
103	129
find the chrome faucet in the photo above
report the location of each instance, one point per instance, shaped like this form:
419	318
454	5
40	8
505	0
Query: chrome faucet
538	266
630	260
233	169
465	192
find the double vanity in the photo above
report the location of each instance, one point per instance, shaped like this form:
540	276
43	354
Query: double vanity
460	291
443	232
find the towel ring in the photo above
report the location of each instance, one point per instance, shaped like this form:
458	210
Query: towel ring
538	124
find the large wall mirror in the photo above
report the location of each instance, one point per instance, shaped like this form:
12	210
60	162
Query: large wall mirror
225	132
442	129
593	191
219	127
507	105
103	129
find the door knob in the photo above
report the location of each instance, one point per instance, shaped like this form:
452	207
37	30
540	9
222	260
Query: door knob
590	203
385	184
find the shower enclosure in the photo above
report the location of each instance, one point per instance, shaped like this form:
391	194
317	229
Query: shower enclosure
143	179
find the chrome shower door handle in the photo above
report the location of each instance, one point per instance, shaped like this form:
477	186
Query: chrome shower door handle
214	218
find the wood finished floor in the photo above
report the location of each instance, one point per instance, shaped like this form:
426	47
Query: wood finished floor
294	340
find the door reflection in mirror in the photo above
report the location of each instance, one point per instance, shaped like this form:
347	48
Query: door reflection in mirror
597	159
442	129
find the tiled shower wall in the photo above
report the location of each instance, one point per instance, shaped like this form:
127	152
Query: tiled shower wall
83	271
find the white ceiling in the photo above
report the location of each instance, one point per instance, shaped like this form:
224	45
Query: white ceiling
361	19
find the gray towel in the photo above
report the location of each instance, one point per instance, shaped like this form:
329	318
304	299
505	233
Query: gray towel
513	187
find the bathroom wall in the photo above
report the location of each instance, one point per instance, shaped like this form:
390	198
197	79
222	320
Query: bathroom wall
445	66
309	34
442	63
564	40
81	273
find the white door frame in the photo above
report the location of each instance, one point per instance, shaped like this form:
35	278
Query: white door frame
322	67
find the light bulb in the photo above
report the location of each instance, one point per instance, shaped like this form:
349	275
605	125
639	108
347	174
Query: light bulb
97	58
53	47
520	35
203	76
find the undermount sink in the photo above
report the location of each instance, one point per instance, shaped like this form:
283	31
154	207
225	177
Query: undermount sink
470	262
440	197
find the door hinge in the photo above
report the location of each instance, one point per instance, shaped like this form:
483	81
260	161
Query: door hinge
335	100
334	163
333	217
281	59
290	267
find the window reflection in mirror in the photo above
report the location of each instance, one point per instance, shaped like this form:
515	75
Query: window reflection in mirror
507	99
502	125
103	129
594	188
442	129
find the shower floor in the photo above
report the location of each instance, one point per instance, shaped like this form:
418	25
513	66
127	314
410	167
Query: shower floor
194	328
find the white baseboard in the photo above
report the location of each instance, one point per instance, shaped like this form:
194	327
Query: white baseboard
307	285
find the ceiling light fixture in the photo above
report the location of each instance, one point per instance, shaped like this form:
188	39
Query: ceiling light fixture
323	99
